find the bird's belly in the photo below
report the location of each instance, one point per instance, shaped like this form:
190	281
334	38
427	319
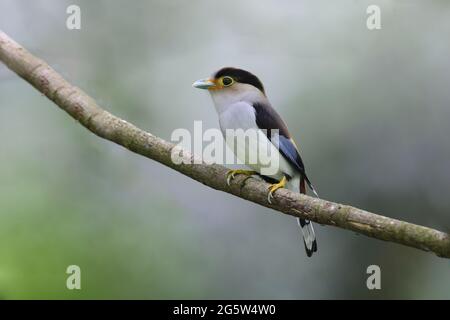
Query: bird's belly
251	145
257	152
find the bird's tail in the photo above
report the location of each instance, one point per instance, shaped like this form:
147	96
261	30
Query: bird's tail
309	237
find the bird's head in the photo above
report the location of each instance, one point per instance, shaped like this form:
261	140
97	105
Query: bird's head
229	78
229	85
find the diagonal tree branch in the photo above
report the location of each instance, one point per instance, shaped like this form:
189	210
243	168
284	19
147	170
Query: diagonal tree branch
84	109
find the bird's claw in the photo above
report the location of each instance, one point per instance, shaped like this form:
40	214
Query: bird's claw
274	187
269	197
231	173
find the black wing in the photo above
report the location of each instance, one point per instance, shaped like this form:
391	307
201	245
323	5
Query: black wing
267	118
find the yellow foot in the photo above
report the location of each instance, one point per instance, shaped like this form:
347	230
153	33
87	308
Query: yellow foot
274	187
230	174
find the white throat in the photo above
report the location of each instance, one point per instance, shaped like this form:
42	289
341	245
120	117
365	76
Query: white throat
224	98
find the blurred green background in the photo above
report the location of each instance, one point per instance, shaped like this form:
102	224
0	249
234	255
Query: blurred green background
370	109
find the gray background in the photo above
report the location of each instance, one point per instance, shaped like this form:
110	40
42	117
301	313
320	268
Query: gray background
369	109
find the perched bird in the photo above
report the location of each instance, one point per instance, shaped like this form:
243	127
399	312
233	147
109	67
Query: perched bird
241	103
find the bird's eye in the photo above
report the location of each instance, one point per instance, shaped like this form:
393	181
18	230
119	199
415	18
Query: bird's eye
227	81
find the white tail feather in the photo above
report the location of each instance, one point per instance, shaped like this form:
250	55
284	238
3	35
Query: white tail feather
308	233
309	237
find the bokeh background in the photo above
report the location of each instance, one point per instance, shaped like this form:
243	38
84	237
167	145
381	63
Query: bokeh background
370	109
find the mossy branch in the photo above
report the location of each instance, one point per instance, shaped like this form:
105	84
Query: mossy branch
102	123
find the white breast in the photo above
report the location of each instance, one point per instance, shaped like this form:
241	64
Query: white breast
255	150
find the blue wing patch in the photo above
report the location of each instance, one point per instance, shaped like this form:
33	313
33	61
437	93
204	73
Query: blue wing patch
268	119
